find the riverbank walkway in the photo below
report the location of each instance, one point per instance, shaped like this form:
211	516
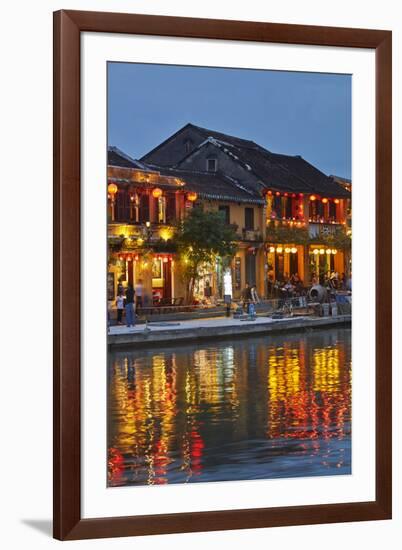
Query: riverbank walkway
199	329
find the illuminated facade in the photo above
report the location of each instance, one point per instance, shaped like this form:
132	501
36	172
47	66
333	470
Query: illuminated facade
146	203
307	234
289	217
307	214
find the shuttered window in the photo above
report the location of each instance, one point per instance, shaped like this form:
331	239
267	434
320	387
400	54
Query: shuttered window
170	208
144	208
122	207
249	218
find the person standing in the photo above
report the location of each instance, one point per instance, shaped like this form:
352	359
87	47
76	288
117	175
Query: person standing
130	310
120	307
254	295
246	296
120	288
139	288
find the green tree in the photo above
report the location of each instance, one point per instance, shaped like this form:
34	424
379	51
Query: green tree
201	237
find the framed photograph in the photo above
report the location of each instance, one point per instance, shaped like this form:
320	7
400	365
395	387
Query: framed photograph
210	371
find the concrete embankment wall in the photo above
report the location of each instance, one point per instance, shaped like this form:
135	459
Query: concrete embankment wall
230	330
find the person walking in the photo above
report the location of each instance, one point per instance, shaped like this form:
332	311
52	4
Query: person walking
130	310
120	307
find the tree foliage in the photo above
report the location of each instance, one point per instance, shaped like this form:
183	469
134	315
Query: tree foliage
201	237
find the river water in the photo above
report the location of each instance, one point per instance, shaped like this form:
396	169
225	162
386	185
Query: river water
252	408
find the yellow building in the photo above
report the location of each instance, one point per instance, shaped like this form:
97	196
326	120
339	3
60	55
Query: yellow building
144	206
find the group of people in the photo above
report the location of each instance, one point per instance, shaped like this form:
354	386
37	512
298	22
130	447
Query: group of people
128	301
333	281
286	286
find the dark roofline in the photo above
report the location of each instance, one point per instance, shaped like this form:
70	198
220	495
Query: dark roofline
210	133
347	180
203	132
166	141
122	154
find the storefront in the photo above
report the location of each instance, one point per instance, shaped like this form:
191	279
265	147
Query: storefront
154	272
284	261
324	260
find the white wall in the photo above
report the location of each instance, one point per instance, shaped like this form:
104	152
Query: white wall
26	368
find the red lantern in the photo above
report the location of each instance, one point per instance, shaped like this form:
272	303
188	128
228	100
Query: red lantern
324	200
336	201
313	197
278	194
156	193
269	192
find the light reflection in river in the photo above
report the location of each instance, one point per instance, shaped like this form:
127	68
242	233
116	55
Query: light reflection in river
252	408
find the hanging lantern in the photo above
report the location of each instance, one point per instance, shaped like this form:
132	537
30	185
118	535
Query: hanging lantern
336	201
293	250
269	192
136	258
165	260
322	251
313	197
192	196
328	251
279	250
287	250
156	193
316	251
277	194
293	195
285	194
112	189
272	249
324	200
334	251
121	258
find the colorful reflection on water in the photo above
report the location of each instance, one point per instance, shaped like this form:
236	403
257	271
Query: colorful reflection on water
253	408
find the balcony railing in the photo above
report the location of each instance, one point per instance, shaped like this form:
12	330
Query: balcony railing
139	231
252	235
321	229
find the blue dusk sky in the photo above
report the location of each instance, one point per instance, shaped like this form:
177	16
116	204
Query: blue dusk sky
307	114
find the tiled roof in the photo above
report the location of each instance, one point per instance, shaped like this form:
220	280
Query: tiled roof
116	157
233	140
273	170
212	185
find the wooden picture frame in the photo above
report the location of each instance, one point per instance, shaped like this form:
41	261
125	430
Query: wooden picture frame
68	26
